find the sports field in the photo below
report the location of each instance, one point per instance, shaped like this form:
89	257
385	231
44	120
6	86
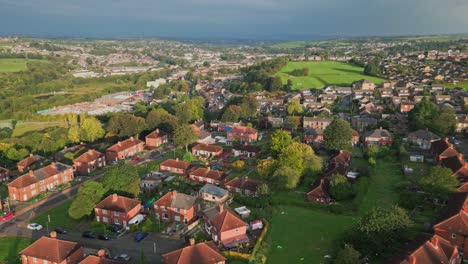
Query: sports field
12	65
322	73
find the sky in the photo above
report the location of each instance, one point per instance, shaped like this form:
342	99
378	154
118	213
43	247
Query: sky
231	19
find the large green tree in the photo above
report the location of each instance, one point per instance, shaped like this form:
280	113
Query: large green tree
347	255
160	118
185	135
249	107
89	194
126	125
286	177
294	107
231	114
293	156
426	114
340	188
122	178
280	139
91	129
439	181
338	134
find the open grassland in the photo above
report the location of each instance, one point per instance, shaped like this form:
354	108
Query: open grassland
10	247
23	128
13	65
464	85
323	73
101	86
58	217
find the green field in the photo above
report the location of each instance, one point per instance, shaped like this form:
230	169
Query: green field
10	247
323	73
300	235
58	217
13	65
464	85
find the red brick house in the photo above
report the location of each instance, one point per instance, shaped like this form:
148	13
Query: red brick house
455	228
247	151
201	253
31	162
175	166
243	134
458	165
207	150
224	226
314	136
441	149
338	164
39	181
156	139
49	250
435	250
319	193
4	174
355	138
206	175
406	107
116	209
243	185
174	206
124	149
89	161
379	137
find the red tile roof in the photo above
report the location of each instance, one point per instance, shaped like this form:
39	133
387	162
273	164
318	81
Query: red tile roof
243	129
208	148
225	219
458	166
122	145
244	184
172	163
458	223
39	175
320	189
155	134
207	173
176	200
443	147
89	156
117	203
91	259
50	249
437	250
31	159
201	253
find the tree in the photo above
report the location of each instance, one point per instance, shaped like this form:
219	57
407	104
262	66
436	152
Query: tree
372	161
312	163
188	157
249	107
238	165
122	178
190	110
286	177
338	134
232	114
293	122
185	135
294	107
160	118
292	156
445	123
91	129
380	230
265	167
263	189
372	68
17	155
74	134
274	84
279	140
340	188
439	181
426	114
89	194
347	255
126	125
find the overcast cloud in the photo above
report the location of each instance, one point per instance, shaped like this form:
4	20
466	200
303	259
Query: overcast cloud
279	19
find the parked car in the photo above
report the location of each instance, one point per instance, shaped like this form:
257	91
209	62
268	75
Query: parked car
116	228
34	226
123	256
137	219
140	236
136	159
103	236
89	234
7	216
60	230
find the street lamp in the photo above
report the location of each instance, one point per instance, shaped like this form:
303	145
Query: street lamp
154	247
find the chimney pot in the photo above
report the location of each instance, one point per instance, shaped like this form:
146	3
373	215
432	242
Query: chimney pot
115	197
101	253
31	172
131	138
53	234
30	155
221	208
191	241
460	156
174	193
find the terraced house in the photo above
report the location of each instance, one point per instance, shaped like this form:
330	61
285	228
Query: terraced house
206	175
39	181
124	149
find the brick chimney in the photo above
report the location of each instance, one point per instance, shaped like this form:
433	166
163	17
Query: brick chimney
115	197
131	138
191	241
101	253
177	159
446	140
53	165
53	234
412	259
157	130
119	143
435	241
31	172
460	156
30	155
174	193
221	208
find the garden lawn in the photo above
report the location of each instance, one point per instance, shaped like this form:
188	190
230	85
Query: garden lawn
13	65
323	73
58	217
10	247
304	235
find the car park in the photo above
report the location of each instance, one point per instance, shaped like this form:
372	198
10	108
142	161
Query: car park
89	234
34	226
140	236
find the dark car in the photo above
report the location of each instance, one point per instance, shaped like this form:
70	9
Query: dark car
140	236
103	236
116	228
89	234
123	256
60	230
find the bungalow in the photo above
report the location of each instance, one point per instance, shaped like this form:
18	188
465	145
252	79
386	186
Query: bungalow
32	162
4	174
243	185
201	253
248	151
313	136
224	226
315	122
207	150
435	250
243	134
455	228
156	138
423	138
89	161
124	149
319	192
39	181
214	194
206	175
52	250
175	166
441	149
380	137
174	206
458	166
116	209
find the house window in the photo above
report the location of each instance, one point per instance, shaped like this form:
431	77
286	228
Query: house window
105	219
177	210
454	235
165	216
104	211
116	213
34	260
